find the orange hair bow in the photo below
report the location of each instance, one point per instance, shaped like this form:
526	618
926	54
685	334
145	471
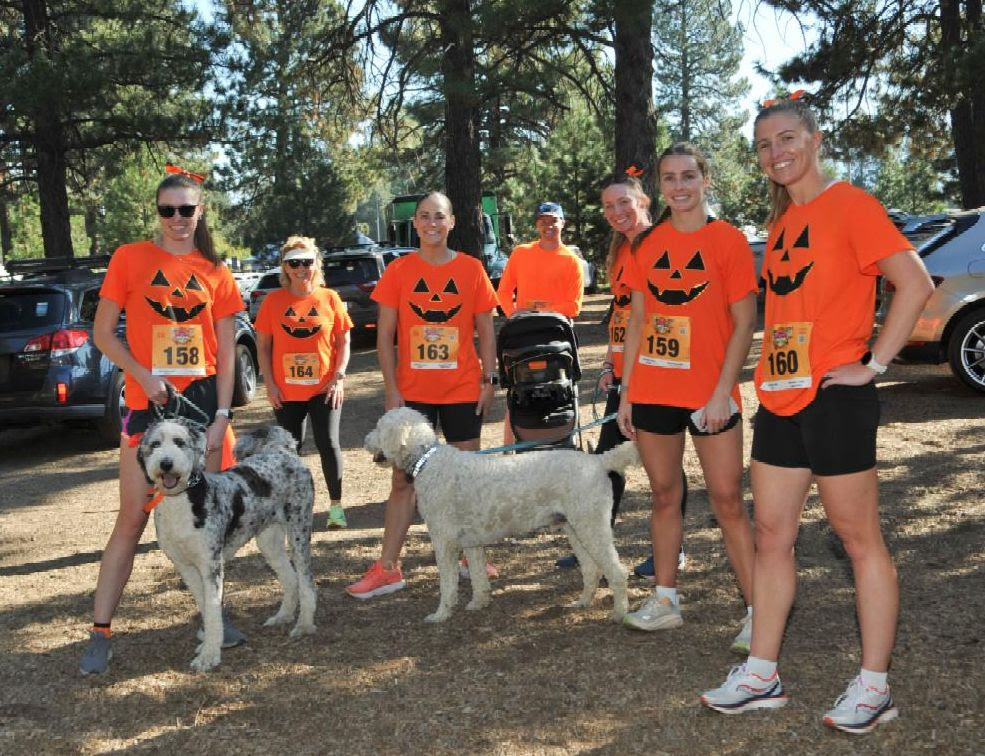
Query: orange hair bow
172	168
792	96
634	171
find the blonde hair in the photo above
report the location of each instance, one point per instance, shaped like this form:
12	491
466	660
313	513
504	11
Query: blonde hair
306	243
779	196
643	200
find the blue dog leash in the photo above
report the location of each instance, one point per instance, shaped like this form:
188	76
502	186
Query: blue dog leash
534	444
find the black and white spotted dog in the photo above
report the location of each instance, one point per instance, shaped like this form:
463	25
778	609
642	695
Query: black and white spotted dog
205	517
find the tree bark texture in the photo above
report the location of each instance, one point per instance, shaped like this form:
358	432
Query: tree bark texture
50	145
968	111
463	162
636	120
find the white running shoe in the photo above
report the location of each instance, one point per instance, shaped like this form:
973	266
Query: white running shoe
859	709
657	613
743	691
741	643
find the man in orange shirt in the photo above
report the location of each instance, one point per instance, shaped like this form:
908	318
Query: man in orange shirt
544	274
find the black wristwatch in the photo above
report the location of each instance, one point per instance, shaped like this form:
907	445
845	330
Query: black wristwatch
492	379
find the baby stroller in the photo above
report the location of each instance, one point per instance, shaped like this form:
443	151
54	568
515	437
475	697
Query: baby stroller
539	369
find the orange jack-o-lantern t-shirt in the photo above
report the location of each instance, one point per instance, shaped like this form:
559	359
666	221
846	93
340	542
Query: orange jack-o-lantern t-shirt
689	282
172	303
622	296
303	331
436	307
820	270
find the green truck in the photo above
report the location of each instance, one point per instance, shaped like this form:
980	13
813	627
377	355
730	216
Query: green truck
496	230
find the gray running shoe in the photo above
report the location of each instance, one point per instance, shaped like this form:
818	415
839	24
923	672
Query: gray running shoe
655	614
231	635
95	659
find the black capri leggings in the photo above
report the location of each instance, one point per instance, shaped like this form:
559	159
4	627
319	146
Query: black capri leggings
325	425
609	438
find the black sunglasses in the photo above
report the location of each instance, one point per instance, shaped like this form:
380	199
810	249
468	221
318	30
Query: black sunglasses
299	263
185	211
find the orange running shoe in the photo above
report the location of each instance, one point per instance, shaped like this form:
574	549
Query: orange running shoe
376	582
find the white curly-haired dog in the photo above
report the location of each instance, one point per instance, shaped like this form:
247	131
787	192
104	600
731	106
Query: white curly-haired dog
468	500
205	517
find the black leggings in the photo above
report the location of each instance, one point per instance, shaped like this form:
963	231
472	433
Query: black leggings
609	438
325	424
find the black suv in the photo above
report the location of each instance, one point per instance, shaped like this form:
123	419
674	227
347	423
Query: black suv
50	367
354	273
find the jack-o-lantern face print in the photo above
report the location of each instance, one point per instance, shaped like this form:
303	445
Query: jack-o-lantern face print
621	300
688	286
799	267
300	325
432	306
175	302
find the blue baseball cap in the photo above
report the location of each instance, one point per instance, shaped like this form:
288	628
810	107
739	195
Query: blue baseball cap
550	208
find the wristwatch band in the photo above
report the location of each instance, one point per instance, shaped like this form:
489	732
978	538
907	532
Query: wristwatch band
875	366
224	412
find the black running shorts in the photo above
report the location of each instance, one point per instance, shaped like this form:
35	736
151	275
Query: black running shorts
202	393
665	420
833	435
458	422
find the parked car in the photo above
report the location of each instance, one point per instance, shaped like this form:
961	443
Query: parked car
494	261
588	273
951	327
50	367
354	273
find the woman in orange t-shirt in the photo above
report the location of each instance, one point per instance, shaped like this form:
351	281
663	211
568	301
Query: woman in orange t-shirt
180	302
818	410
691	322
627	211
432	304
303	340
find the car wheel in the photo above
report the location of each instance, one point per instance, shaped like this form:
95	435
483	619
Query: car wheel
245	387
111	425
966	350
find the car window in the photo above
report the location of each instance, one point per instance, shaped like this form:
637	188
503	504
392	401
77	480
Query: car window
352	270
87	308
269	281
24	310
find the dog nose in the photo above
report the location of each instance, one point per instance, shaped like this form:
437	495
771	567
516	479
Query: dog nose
166	464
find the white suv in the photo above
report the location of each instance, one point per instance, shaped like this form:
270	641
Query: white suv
951	327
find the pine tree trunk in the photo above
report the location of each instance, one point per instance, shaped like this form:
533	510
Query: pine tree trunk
49	141
636	120
463	162
968	113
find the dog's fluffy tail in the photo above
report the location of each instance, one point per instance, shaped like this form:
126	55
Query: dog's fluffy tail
623	456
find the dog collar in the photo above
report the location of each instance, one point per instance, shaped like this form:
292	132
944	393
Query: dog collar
419	465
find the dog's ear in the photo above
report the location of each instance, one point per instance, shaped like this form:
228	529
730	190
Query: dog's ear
140	459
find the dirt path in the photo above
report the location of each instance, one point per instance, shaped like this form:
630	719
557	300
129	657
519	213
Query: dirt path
525	675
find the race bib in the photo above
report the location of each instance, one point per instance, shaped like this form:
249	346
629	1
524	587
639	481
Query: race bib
786	357
433	347
178	350
617	329
667	342
302	369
